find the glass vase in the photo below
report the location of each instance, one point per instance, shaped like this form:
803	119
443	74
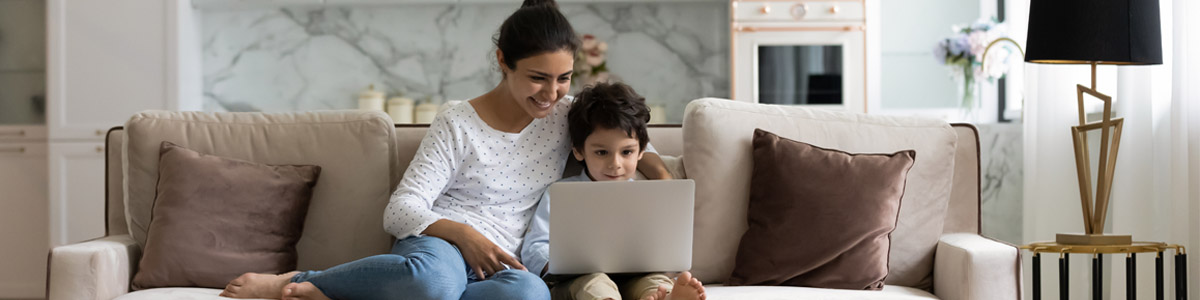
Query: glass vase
969	92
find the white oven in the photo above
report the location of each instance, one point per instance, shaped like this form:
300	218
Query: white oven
800	53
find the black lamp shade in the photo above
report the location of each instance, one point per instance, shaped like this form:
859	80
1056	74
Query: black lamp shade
1121	32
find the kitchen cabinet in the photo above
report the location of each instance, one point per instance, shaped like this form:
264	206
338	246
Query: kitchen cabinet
23	190
18	133
76	191
107	60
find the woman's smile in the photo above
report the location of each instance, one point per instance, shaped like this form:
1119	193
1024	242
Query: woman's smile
542	105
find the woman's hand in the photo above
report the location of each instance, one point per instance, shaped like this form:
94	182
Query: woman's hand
653	167
480	254
483	256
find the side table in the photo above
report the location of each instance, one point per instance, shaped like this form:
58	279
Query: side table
1097	252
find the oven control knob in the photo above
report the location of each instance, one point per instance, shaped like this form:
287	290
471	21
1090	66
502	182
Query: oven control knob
799	10
766	9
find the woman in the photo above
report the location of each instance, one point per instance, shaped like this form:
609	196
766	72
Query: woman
467	197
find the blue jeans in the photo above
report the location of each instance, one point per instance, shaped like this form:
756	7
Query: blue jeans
422	267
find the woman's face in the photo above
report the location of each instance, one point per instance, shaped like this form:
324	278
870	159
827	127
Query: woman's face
539	81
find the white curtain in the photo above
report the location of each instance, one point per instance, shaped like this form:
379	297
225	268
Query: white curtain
1155	195
1185	172
1156	191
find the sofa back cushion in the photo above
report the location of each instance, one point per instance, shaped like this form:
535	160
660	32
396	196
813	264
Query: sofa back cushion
355	150
667	140
718	156
215	218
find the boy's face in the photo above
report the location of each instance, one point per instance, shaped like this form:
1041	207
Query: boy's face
609	154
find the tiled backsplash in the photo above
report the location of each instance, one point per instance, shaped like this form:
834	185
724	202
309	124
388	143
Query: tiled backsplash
22	61
309	58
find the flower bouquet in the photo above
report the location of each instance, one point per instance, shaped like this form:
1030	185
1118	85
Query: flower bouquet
962	54
590	64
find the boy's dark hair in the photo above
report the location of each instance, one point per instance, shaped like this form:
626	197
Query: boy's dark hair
608	105
537	27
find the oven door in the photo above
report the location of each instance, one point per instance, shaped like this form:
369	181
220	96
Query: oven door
817	66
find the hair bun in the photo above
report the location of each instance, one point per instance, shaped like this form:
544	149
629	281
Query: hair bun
537	3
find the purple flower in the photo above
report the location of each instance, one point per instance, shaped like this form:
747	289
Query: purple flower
940	51
959	44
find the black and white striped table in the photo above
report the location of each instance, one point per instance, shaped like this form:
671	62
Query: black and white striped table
1098	252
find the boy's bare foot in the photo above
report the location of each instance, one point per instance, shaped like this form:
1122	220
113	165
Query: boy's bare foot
303	291
255	285
659	294
687	288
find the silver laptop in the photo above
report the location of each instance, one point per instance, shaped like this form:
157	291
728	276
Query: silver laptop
621	226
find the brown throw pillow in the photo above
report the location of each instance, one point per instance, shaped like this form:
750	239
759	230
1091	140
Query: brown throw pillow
215	218
819	217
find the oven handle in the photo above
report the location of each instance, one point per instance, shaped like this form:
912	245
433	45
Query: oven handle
790	29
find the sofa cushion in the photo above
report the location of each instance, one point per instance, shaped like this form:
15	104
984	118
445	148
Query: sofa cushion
889	292
355	150
174	294
819	217
215	218
717	152
715	292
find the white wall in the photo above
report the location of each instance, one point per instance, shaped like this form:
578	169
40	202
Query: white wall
911	77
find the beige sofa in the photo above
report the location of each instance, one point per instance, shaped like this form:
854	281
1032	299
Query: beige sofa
937	252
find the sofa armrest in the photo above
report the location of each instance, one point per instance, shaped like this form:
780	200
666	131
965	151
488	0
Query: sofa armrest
970	266
96	269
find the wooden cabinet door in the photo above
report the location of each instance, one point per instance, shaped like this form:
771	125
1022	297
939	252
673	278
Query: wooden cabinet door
76	191
107	60
23	237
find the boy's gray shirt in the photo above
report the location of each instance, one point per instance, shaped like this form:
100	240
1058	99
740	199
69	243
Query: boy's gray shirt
535	249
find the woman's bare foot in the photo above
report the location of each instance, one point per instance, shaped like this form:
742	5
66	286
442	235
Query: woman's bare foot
687	288
254	285
303	291
659	294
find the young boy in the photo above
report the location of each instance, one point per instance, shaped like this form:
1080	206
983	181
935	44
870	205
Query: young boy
607	124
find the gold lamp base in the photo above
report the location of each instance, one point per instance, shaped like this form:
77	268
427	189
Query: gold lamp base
1093	239
1095	202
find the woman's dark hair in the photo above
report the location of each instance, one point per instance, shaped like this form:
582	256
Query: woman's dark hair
537	27
611	106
